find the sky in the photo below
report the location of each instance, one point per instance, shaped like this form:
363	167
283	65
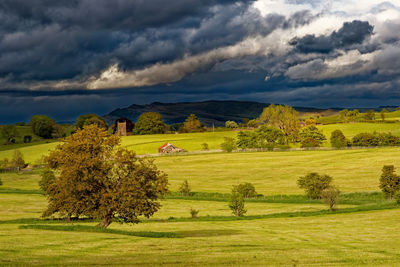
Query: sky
69	57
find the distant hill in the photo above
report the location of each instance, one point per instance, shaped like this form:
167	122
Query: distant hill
209	112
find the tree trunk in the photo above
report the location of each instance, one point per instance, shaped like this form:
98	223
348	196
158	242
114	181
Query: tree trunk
105	222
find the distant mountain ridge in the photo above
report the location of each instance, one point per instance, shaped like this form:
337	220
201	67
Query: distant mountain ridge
209	112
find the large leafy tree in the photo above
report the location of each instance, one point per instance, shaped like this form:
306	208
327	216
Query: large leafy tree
98	179
42	125
263	137
312	133
284	118
88	119
149	123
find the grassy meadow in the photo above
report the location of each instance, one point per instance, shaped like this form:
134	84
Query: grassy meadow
149	144
281	228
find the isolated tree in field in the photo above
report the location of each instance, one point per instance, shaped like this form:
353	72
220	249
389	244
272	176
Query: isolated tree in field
312	132
236	203
229	144
42	125
231	124
314	183
17	160
149	123
9	132
330	196
184	189
192	125
88	119
338	139
369	115
389	181
99	179
284	118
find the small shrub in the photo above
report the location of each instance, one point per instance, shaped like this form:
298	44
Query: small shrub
389	181
236	204
314	183
229	144
246	189
204	146
330	196
184	189
194	213
47	178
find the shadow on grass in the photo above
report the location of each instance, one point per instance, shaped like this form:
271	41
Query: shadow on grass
7	190
95	229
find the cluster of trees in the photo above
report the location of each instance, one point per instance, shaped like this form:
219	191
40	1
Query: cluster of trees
17	162
263	137
375	139
46	127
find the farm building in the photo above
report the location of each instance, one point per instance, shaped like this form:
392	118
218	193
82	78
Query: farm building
169	148
123	127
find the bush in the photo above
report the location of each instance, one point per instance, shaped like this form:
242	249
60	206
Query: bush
314	183
194	213
330	196
204	146
184	189
47	178
389	181
338	139
263	137
365	139
27	139
229	144
231	124
236	204
17	161
309	142
397	197
246	189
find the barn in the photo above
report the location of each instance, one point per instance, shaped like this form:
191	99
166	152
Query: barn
169	148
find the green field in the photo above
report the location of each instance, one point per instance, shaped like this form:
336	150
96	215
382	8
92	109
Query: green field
282	228
149	144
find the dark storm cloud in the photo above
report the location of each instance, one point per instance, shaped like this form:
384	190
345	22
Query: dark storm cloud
351	33
52	40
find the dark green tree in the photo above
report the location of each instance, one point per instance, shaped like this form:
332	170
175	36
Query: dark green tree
149	123
42	126
338	139
389	181
88	119
314	183
48	177
369	115
246	189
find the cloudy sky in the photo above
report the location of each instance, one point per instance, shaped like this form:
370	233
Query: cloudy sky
68	57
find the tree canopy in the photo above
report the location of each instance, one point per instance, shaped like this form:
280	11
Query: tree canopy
88	119
42	125
98	179
284	118
192	125
149	123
